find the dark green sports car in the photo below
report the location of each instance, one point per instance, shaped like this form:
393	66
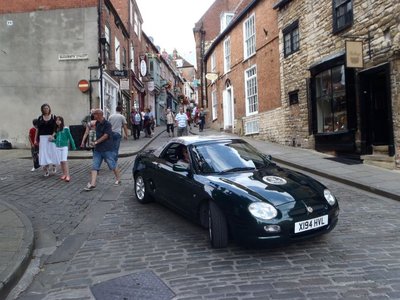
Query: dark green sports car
232	189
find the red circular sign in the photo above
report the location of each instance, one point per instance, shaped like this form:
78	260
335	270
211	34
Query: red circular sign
83	85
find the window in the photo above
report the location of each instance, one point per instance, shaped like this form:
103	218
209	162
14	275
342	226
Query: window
212	62
132	56
294	97
214	102
136	23
107	46
226	18
227	55
123	58
291	42
117	54
251	90
331	100
131	12
342	14
249	30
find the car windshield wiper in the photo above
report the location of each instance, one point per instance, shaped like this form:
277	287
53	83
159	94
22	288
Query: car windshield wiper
236	169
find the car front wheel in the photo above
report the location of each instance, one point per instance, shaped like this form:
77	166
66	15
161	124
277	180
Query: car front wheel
141	192
217	227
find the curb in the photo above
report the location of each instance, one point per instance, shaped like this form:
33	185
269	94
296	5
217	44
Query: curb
340	179
14	272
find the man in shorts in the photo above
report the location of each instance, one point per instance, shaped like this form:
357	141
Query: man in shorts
103	150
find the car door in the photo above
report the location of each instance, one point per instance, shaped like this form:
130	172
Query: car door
187	197
164	176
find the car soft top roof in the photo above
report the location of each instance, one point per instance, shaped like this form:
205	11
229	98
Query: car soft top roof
192	139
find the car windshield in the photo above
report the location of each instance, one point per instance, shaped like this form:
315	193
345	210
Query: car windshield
232	156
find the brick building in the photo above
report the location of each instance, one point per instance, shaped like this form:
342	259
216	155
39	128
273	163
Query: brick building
242	67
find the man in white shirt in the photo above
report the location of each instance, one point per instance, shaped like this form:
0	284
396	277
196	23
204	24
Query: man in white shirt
118	122
181	120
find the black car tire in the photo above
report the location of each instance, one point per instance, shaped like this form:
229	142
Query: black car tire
217	227
141	193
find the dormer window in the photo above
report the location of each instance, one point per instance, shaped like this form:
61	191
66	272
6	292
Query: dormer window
225	19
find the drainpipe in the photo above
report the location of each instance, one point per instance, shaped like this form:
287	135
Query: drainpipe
100	49
203	94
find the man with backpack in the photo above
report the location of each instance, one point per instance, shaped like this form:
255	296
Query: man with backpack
136	120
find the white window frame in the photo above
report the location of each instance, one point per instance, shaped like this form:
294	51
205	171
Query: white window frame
214	103
132	57
227	55
251	90
213	65
135	23
225	19
117	54
249	36
131	12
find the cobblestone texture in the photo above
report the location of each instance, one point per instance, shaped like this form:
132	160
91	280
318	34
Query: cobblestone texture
360	259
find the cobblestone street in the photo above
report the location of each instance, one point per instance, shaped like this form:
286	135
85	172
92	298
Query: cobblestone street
105	234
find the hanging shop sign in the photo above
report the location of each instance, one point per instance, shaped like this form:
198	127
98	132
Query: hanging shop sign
354	54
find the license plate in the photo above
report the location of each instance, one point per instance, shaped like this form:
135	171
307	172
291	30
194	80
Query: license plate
310	224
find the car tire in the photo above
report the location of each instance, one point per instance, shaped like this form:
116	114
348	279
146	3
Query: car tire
217	227
141	191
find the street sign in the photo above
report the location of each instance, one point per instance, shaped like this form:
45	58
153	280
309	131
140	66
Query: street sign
83	85
119	73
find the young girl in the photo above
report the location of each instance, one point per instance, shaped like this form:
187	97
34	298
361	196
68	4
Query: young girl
62	137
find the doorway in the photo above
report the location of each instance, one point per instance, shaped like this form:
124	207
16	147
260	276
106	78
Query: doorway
376	109
228	106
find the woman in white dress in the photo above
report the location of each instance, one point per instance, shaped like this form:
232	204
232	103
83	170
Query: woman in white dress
44	136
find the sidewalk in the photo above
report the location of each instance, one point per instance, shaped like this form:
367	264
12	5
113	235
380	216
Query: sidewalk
16	233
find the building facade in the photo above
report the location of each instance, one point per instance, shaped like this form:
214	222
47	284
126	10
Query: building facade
242	71
340	76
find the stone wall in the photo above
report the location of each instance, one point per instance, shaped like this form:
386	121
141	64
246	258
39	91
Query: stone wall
380	19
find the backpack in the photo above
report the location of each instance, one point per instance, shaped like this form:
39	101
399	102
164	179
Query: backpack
138	118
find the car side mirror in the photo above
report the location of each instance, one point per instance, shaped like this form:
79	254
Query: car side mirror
180	168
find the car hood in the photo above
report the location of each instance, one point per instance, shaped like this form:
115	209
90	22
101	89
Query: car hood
273	184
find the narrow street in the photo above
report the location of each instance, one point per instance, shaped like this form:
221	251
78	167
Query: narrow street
84	240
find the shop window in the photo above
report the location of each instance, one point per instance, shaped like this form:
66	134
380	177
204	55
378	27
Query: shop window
342	14
331	100
291	42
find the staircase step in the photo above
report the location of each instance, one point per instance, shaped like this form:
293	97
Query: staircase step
382	149
379	160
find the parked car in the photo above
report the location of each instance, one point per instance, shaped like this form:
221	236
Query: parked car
234	190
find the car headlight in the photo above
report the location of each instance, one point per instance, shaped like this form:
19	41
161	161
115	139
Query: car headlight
329	197
263	210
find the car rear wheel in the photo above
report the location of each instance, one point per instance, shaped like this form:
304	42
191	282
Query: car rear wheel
141	192
217	227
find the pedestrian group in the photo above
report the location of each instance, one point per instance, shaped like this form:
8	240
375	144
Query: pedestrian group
50	139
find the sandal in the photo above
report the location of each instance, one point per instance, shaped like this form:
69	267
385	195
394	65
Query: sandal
54	170
63	177
67	178
89	187
117	183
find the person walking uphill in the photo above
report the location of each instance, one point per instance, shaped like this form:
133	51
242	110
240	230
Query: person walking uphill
63	139
43	136
103	150
118	122
34	146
